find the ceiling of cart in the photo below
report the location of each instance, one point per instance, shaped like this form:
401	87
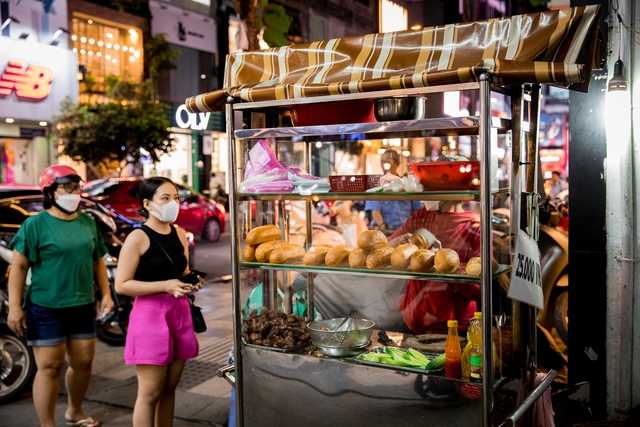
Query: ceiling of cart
553	47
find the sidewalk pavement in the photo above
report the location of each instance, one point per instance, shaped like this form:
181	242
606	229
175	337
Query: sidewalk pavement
201	398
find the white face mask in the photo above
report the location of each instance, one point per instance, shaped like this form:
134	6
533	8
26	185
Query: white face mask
68	202
168	212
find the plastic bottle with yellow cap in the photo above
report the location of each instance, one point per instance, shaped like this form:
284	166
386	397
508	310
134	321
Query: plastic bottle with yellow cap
453	353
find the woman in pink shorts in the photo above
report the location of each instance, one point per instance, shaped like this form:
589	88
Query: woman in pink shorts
160	336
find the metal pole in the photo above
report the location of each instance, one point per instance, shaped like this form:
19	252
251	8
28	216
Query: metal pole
486	242
235	260
309	238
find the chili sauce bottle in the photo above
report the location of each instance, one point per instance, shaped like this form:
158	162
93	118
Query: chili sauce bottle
453	353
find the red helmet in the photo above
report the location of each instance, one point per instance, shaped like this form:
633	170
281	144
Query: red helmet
58	174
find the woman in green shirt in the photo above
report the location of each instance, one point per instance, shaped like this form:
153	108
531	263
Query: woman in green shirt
64	250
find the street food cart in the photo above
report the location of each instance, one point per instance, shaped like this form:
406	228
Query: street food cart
508	58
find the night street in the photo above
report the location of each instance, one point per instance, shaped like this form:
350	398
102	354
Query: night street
201	399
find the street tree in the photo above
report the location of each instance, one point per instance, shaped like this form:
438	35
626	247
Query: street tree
127	124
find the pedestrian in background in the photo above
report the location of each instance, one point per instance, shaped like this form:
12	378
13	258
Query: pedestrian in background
160	337
64	250
391	214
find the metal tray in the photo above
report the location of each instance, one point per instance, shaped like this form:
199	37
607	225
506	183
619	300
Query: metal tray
279	350
358	359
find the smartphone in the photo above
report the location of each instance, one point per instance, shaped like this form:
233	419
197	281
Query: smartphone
192	277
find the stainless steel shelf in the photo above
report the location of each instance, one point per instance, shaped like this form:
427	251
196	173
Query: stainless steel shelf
442	126
426	195
385	272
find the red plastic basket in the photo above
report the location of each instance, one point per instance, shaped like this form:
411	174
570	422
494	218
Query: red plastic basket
353	183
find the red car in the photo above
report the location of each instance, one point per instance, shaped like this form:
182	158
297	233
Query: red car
198	214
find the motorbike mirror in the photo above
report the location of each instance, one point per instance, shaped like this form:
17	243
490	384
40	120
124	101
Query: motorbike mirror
105	223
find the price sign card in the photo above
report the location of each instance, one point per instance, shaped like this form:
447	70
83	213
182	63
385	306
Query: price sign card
526	282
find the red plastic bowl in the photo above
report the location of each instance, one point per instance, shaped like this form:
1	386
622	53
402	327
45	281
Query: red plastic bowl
448	176
333	113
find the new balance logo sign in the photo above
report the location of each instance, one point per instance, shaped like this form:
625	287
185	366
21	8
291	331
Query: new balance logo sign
33	82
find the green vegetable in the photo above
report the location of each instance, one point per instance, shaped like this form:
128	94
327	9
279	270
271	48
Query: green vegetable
436	363
406	174
418	356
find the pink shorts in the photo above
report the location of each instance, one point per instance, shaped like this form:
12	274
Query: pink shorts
160	331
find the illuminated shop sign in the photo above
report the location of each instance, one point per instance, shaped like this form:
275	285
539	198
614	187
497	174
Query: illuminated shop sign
32	82
187	120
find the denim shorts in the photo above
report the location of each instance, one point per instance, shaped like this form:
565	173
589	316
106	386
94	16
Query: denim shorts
48	326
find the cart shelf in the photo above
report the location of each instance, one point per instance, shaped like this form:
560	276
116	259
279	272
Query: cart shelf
388	272
426	195
441	126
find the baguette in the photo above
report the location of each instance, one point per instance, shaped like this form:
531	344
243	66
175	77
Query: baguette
286	253
357	258
401	256
264	233
422	260
379	258
249	253
371	239
264	250
447	261
315	255
338	255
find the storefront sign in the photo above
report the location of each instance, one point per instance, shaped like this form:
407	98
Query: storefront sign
31	133
526	280
183	28
32	82
35	78
187	120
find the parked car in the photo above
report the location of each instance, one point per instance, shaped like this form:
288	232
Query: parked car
198	214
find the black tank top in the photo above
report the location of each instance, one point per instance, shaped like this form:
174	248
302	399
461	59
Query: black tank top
154	265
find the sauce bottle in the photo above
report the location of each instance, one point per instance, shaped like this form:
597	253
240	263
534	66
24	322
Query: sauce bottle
475	356
453	353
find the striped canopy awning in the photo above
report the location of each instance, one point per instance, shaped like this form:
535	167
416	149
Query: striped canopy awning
554	47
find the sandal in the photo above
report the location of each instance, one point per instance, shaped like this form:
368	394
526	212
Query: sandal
87	422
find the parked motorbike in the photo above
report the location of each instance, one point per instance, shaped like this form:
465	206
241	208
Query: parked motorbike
17	362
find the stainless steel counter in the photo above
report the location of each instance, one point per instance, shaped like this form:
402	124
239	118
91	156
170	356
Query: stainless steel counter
305	390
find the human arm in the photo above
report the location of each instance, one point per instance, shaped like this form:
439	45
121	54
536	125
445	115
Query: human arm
377	217
183	238
17	278
100	276
134	247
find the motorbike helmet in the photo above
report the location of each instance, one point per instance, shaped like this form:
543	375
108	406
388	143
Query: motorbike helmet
58	174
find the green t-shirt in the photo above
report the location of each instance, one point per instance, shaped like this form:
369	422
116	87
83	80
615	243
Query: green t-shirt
61	253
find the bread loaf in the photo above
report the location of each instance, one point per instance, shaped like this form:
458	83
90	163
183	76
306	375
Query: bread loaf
338	255
264	249
249	253
286	252
379	258
357	258
474	266
369	239
401	256
447	261
422	260
315	255
264	233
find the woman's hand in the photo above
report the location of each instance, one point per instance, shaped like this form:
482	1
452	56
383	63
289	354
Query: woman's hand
198	286
106	305
401	239
177	288
17	321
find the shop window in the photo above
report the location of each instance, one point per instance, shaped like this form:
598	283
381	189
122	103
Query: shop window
106	54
